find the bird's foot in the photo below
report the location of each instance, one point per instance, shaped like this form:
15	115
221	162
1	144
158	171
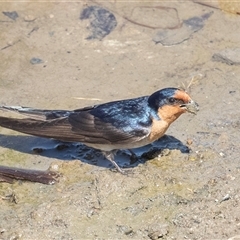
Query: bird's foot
124	172
110	157
117	168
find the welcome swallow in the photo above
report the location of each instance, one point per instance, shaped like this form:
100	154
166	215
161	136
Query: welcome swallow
123	124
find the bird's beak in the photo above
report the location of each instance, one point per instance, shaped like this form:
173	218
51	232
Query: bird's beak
191	107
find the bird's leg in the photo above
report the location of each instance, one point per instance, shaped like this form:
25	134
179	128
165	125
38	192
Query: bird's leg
110	156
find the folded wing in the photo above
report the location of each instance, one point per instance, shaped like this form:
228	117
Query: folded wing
117	122
77	127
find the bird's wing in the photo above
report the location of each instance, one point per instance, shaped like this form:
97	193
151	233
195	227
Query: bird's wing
116	122
97	131
77	127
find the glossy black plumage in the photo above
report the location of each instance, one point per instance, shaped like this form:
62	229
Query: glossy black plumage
108	123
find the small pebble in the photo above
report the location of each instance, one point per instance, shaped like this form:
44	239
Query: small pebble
157	231
37	150
221	154
225	198
29	18
62	146
36	61
54	167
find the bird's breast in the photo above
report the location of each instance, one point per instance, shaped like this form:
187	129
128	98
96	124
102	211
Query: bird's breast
159	127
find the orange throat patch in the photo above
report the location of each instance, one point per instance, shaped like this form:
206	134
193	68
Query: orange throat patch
167	115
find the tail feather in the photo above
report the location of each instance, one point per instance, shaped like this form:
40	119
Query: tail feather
58	128
37	113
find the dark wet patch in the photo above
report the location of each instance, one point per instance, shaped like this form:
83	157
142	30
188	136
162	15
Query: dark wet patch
230	56
13	15
102	21
168	37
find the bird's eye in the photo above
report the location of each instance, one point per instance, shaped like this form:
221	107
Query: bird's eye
172	100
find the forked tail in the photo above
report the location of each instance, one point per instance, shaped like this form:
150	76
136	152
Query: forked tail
59	128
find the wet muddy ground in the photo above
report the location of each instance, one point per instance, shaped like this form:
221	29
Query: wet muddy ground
71	55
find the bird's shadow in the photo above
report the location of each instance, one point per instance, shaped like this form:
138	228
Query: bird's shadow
72	151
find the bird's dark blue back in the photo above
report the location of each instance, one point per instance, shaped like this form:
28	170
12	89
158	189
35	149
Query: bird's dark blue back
125	113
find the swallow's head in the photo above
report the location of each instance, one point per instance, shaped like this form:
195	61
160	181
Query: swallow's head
170	103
